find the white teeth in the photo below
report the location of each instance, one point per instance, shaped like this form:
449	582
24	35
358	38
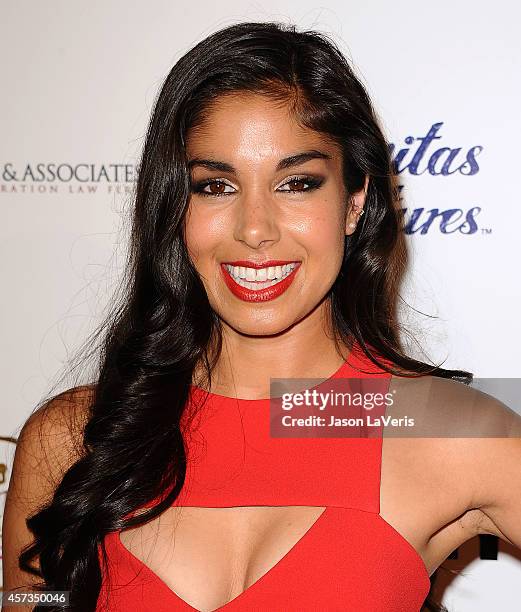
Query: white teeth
259	278
262	274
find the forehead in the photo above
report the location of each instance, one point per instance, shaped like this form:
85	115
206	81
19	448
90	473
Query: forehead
253	126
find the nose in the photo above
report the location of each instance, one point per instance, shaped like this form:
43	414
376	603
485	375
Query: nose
256	222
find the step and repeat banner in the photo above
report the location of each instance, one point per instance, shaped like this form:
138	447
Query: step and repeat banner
78	82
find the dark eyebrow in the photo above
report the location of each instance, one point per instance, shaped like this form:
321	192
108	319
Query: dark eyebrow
287	162
300	158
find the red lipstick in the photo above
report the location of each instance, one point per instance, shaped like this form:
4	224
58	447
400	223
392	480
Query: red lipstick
258	295
259	264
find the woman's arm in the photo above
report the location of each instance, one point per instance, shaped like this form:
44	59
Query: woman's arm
497	474
498	488
473	442
49	443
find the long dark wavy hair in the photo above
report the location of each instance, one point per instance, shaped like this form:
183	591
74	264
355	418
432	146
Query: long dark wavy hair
133	445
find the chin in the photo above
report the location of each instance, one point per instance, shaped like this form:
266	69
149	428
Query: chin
262	325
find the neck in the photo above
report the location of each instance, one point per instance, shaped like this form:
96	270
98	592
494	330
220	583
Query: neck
246	363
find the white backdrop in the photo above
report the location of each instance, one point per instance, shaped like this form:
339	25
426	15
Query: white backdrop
78	83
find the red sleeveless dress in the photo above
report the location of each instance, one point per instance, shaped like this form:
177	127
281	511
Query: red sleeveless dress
350	559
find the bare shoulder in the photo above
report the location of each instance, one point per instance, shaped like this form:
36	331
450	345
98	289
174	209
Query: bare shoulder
468	445
52	437
50	441
446	408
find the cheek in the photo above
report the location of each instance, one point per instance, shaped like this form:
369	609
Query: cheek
323	236
203	233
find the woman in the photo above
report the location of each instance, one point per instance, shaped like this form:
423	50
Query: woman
266	243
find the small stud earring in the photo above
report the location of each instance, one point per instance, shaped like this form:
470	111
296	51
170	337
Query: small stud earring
359	211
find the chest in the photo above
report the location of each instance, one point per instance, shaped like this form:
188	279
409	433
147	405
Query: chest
209	556
346	559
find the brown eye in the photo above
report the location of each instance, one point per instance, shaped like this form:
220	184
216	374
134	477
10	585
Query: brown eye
301	184
216	187
296	182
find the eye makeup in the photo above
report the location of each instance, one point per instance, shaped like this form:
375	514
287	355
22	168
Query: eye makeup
312	182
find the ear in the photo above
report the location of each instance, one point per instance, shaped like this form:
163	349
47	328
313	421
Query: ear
355	208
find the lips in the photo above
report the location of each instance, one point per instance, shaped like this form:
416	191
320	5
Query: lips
258	295
259	264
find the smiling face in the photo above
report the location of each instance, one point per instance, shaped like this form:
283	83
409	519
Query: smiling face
252	206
